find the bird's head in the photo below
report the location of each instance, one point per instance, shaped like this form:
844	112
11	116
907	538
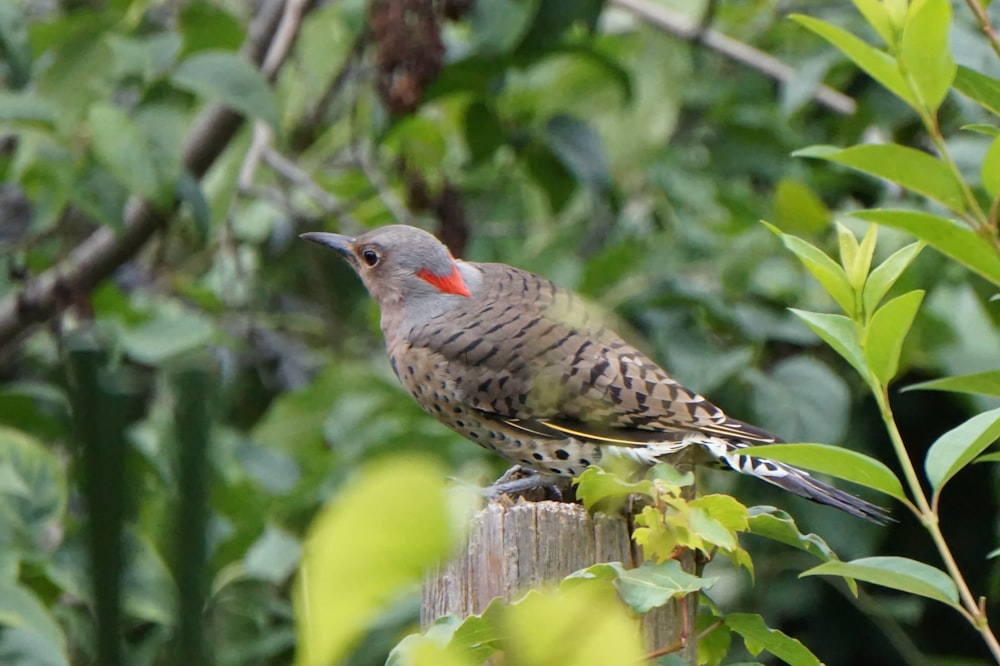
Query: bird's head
398	264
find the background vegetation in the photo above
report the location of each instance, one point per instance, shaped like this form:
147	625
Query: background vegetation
625	149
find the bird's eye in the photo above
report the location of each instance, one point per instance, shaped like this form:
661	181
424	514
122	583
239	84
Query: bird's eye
370	256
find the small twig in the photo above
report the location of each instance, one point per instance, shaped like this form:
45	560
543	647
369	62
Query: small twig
378	181
679	645
985	24
258	144
315	115
284	37
291	172
681	26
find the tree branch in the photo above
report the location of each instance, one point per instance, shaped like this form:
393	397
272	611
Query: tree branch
105	250
681	26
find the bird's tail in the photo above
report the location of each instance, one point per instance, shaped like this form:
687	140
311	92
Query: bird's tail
736	456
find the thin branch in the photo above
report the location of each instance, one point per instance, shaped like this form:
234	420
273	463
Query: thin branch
284	37
679	25
316	114
985	24
105	250
291	172
374	175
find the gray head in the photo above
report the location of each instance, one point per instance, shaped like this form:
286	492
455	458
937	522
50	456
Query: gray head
398	264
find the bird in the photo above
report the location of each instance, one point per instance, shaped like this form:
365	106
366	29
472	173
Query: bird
526	369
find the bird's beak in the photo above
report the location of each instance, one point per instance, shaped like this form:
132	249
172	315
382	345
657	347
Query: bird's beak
344	245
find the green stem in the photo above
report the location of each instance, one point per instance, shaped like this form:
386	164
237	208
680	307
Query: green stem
983	18
976	218
970	608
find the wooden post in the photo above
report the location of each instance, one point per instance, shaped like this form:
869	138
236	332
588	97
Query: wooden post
514	546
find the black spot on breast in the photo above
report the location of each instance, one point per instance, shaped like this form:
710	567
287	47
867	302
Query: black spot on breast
460	424
562	454
538	456
584	462
555	470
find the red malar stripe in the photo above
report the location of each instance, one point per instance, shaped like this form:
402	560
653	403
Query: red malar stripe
449	284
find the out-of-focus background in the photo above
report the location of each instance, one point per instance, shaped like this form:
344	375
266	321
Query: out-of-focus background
626	149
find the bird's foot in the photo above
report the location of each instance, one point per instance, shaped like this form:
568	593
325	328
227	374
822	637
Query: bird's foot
532	486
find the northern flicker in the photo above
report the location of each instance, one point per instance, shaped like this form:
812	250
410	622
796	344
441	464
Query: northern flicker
520	366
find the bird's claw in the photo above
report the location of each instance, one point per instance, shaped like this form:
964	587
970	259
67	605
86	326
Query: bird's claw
526	483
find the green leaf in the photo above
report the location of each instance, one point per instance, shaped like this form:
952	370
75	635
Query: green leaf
166	336
420	141
611	637
149	592
778	525
498	27
826	271
979	128
878	17
555	17
982	89
273	557
418	650
877	64
595	486
713	646
15	44
20	608
881	279
835	461
371	542
477	635
990	171
757	636
225	77
857	258
33	489
848	251
122	147
579	149
26	107
717	519
956	448
908	167
980	383
961	244
886	331
797	208
925	52
647	586
897	573
840	333
671	476
21	647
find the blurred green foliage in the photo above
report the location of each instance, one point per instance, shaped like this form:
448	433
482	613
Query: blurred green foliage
572	139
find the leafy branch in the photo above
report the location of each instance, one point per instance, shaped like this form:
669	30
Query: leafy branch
917	67
99	255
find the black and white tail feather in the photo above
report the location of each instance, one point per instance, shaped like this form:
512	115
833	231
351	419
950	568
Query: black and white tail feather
735	455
